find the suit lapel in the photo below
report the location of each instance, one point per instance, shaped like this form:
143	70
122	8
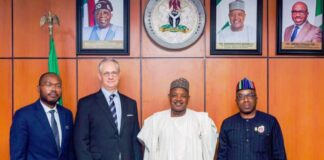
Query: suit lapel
63	123
124	111
41	116
288	35
102	103
301	35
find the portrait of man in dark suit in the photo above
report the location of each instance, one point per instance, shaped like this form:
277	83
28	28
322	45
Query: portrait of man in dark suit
43	130
107	124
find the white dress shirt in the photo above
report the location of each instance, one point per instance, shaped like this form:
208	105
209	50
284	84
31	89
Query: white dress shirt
56	116
117	104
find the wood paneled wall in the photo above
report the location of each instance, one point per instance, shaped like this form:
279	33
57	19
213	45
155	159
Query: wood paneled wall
289	87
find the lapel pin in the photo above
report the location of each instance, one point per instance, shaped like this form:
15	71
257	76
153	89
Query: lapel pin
261	129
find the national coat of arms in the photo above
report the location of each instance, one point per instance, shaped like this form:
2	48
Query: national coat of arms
174	24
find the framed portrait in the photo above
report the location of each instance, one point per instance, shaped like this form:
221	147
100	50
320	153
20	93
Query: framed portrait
236	27
102	27
300	26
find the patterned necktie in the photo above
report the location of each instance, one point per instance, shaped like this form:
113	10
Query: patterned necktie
112	108
294	34
55	129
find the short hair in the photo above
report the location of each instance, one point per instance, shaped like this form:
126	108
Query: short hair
105	60
301	3
44	75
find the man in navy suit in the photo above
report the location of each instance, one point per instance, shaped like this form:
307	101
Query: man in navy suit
106	125
43	130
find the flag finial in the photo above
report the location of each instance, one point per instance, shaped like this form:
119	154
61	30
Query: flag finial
50	19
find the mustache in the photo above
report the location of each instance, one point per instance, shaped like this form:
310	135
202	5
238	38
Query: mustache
53	92
177	101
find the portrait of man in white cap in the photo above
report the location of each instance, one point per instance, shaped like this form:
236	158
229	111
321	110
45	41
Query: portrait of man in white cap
103	30
237	31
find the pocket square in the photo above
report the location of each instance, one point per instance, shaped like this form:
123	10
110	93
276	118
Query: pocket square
130	115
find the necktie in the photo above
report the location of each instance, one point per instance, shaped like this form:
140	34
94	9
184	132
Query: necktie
294	34
112	108
55	129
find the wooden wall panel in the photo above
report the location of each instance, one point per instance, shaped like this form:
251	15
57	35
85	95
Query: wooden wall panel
150	49
222	76
207	27
31	40
157	74
27	73
65	34
6	106
26	76
68	75
88	82
265	28
5	28
135	28
296	99
272	22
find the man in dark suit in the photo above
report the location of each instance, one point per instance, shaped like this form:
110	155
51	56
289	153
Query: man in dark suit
43	130
106	124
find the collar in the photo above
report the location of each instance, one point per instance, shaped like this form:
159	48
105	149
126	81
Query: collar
47	109
108	93
301	26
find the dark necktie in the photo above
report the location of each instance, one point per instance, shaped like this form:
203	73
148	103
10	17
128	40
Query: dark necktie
112	108
55	129
294	34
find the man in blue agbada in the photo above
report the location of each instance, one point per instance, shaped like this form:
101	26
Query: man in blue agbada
250	134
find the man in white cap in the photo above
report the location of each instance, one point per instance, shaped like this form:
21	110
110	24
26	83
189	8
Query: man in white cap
237	32
179	133
103	30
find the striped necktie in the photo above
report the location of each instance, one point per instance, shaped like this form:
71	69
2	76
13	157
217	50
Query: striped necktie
112	108
55	129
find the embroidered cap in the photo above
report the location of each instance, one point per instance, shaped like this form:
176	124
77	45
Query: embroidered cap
180	83
104	4
245	84
237	4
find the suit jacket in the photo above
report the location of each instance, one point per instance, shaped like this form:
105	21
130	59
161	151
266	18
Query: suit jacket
31	136
309	33
96	135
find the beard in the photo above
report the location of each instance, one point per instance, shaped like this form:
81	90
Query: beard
50	102
247	112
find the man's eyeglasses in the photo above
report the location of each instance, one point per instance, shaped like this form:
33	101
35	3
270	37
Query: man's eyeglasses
248	96
113	74
298	12
49	85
